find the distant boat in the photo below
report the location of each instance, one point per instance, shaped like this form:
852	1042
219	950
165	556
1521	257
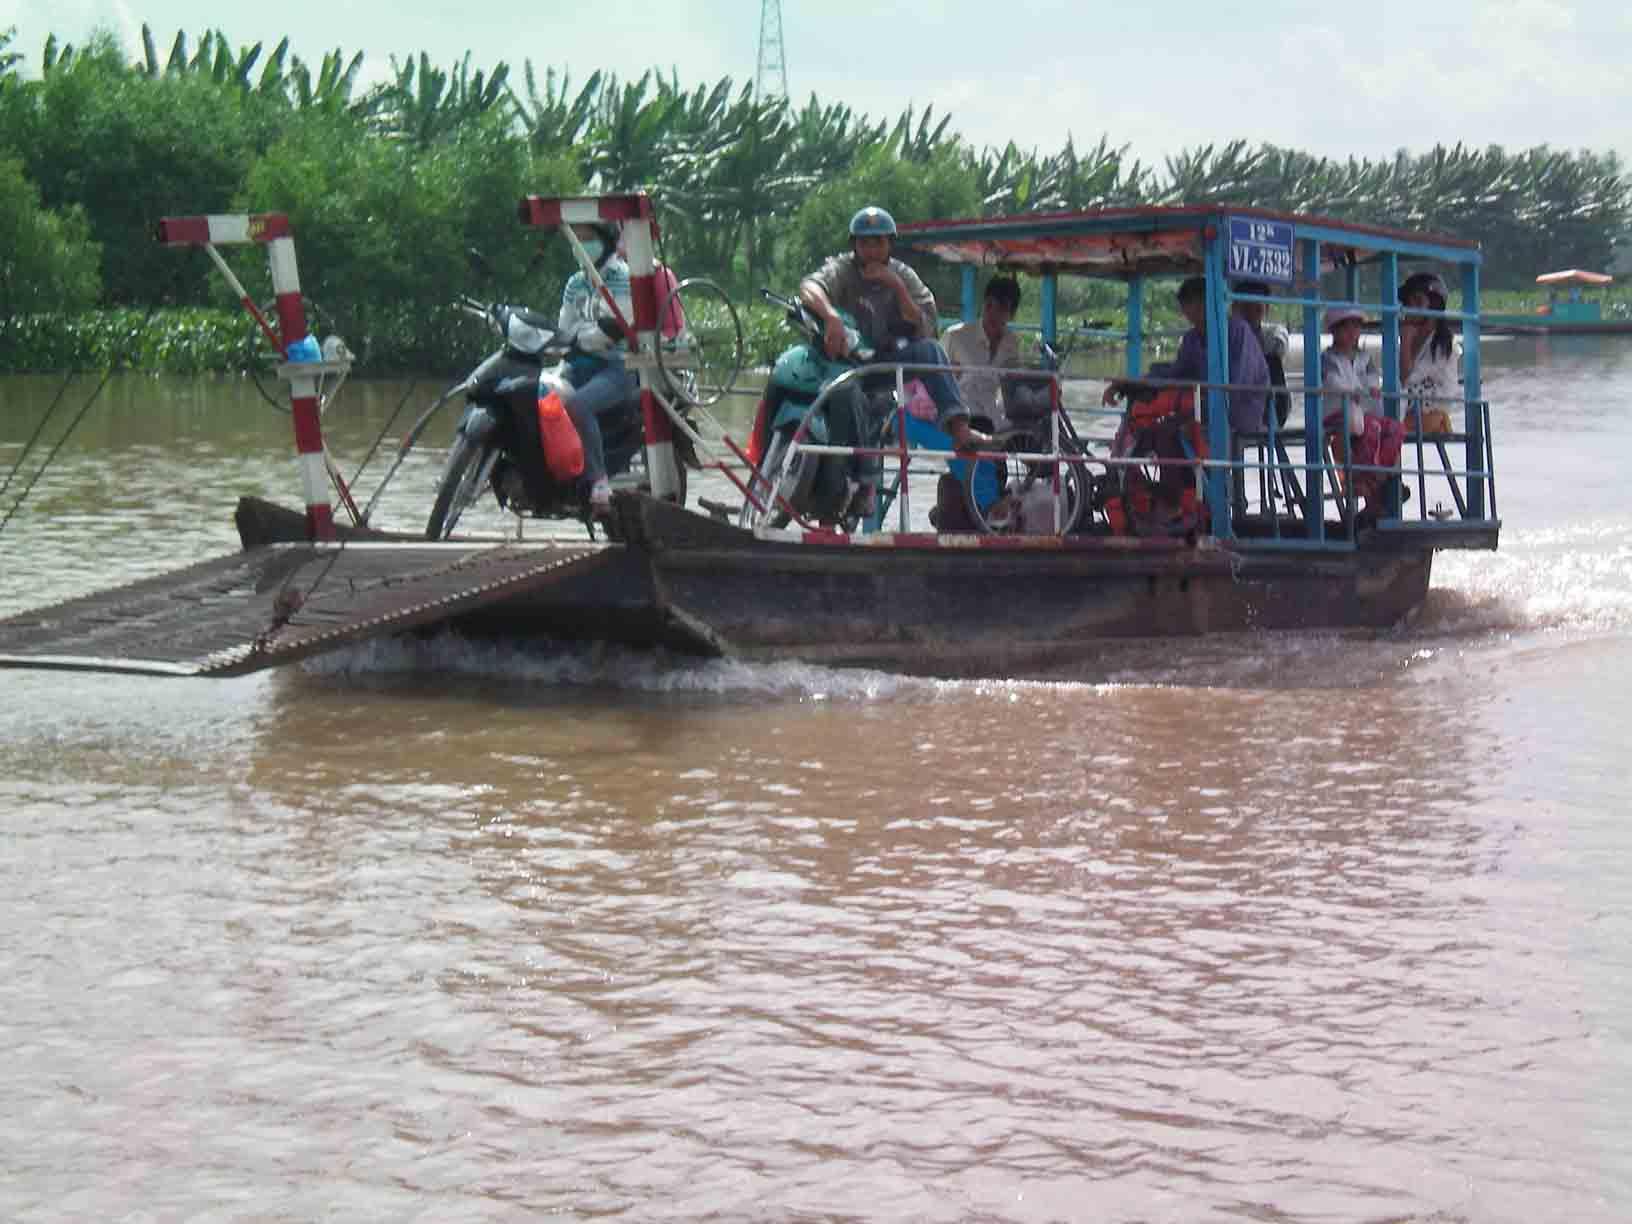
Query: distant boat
1566	311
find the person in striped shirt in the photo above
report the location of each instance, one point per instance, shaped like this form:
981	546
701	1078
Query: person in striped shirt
601	385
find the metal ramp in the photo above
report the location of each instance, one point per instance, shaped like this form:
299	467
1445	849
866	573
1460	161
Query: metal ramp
283	602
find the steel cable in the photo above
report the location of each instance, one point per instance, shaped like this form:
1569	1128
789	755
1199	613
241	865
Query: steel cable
38	430
68	433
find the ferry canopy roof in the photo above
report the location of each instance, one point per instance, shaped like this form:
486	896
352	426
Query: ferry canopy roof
1152	241
1573	276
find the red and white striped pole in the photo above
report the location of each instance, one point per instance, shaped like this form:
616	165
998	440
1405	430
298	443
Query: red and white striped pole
635	214
272	230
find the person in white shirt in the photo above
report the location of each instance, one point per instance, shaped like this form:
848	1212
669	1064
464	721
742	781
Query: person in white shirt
989	341
1348	368
1428	373
601	385
1374	439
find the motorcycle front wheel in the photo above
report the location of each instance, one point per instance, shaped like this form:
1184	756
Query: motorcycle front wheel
462	479
770	479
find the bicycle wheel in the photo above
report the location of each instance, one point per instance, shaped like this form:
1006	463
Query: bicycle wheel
999	492
700	364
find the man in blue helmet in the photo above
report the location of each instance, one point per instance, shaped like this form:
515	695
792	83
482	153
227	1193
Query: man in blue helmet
894	310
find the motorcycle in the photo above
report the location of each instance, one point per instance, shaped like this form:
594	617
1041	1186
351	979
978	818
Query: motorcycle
825	488
500	443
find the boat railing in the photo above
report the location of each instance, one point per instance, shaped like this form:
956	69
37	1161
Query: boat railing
1274	491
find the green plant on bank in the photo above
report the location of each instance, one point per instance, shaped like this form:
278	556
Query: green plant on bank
179	340
387	190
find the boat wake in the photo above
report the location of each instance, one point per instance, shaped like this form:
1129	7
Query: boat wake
517	667
1574	579
1562	583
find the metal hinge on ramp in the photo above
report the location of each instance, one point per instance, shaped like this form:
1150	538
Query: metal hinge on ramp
281	603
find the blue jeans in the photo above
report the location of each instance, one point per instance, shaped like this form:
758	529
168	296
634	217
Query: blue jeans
942	388
597	392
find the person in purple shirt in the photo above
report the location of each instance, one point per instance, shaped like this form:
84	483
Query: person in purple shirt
1247	370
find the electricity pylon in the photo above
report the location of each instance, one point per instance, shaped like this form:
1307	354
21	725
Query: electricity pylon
771	78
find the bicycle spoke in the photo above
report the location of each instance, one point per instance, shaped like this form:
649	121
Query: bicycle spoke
701	363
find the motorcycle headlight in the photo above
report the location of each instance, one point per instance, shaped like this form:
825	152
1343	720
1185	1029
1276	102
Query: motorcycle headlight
524	337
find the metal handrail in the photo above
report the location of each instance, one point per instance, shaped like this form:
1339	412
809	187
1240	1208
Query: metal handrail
1057	456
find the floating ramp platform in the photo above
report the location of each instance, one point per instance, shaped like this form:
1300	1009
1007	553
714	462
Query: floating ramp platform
279	603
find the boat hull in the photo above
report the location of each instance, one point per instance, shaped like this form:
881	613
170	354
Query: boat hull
953	606
944	605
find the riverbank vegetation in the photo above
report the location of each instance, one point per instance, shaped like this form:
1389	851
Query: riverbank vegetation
388	187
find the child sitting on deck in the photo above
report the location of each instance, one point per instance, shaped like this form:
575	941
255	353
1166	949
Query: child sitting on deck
1374	439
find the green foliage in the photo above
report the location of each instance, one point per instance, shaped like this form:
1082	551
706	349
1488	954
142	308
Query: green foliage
1016	182
130	150
424	103
284	80
909	191
1532	212
920	146
552	123
387	190
330	91
765	332
384	228
47	260
177	341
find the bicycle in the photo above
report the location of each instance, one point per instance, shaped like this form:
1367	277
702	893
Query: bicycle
998	493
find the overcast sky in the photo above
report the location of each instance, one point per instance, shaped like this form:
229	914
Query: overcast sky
1359	79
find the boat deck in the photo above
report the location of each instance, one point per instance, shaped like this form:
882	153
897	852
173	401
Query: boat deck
283	602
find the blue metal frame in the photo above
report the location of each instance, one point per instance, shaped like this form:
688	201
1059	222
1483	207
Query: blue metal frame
1312	239
1472	389
1389	277
1314	512
1214	252
1136	326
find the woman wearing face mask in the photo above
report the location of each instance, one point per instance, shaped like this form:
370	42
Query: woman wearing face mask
601	385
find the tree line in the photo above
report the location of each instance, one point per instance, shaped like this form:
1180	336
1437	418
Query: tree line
389	187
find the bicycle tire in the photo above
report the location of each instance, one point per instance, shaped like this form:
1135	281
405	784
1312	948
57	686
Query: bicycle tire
458	487
701	372
979	479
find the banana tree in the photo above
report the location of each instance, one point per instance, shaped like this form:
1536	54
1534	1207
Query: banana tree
424	103
331	92
554	121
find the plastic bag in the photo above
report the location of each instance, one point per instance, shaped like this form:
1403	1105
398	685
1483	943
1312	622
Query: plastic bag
563	448
918	401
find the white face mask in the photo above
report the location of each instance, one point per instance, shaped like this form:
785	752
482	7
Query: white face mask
596	248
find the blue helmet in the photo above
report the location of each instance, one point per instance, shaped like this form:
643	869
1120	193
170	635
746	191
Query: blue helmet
872	222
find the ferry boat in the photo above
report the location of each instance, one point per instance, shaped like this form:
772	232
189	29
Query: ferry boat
1567	311
1273	541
